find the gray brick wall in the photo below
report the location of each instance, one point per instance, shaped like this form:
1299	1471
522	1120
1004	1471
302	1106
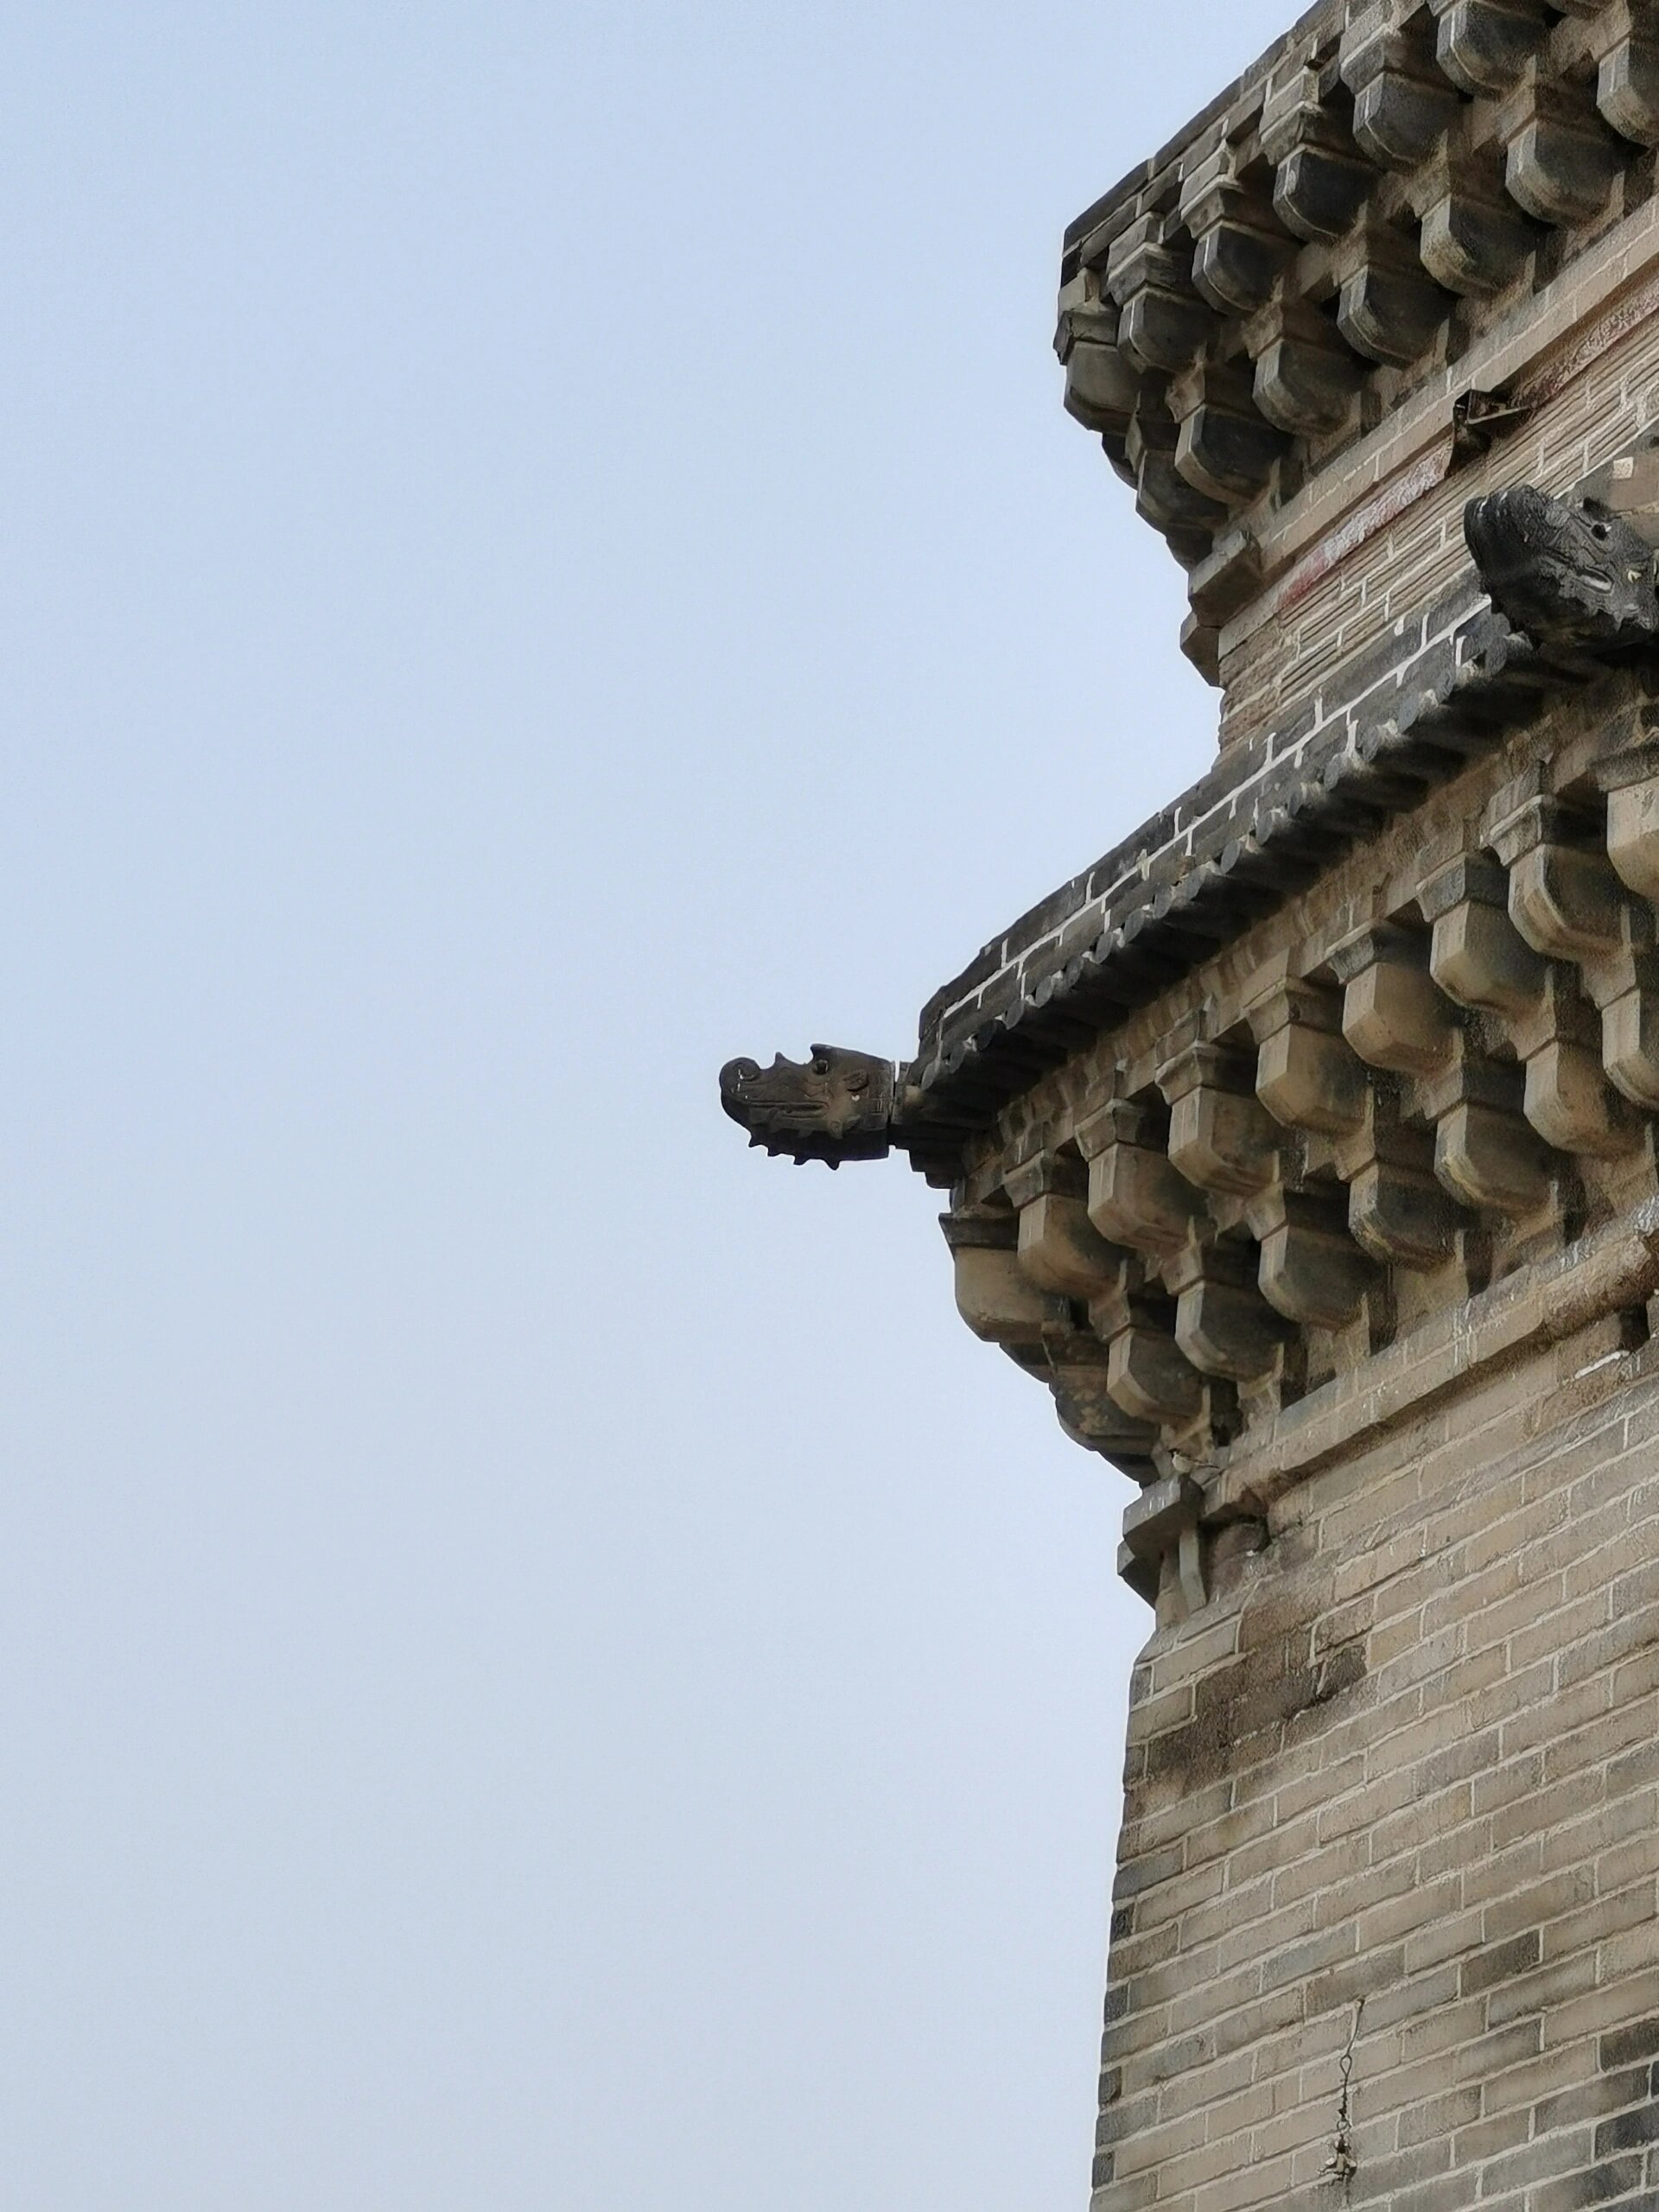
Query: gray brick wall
1298	641
1404	1772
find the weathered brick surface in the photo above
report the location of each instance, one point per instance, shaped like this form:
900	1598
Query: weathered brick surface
1301	643
1399	1782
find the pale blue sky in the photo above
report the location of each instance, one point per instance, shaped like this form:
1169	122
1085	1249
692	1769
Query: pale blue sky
544	1671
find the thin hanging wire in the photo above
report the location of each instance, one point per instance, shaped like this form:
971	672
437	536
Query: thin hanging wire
1342	2166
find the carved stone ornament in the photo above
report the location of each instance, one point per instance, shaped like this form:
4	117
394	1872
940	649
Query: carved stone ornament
1566	573
838	1105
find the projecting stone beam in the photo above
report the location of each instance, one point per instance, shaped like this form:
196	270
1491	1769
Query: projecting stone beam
995	1294
1398	1210
1392	1013
1387	308
1567	1098
1629	999
1136	1197
1223	1324
1483	46
1627	78
1310	1268
1485	1153
1220	1138
1058	1247
1078	1378
1239	247
1563	895
1396	1018
1559	159
1001	1303
1306	376
1164	497
1225	449
1473	240
1477	956
1568	903
1402	103
1480	960
1308	1075
1631	781
1320	180
1163	324
1149	1376
1101	384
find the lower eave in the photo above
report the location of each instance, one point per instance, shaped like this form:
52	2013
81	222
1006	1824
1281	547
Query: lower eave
1266	820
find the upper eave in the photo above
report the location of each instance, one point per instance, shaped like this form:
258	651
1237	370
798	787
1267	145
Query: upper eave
1098	217
1383	188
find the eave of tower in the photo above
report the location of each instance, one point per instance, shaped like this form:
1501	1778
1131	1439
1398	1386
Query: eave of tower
1345	228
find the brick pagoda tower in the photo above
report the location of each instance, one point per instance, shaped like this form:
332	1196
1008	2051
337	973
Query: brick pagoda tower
1303	1148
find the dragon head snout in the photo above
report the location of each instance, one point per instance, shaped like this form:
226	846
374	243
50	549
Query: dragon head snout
1502	527
736	1075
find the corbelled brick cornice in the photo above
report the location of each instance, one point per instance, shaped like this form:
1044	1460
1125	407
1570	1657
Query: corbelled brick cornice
1387	189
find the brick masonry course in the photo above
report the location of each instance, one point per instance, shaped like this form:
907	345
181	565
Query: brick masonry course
1367	1794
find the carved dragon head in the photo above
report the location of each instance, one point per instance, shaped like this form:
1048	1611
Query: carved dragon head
1570	573
836	1106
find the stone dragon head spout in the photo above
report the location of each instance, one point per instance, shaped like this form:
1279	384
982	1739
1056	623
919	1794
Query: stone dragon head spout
1566	572
838	1105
